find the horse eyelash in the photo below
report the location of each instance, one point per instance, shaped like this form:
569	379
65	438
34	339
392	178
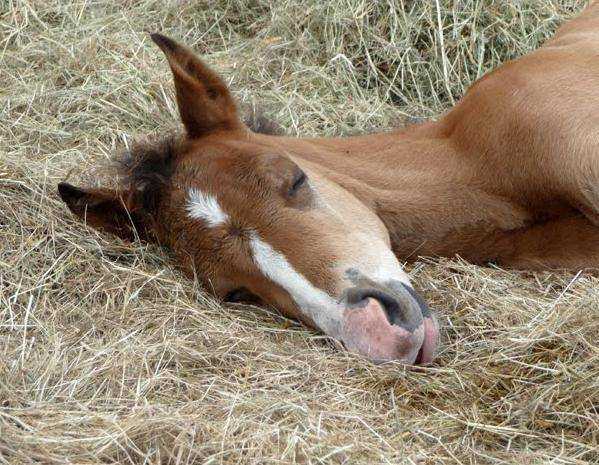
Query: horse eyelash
299	182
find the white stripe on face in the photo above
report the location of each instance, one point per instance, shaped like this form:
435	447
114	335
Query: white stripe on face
202	206
320	307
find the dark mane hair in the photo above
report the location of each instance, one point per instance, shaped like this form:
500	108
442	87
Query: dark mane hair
255	119
147	167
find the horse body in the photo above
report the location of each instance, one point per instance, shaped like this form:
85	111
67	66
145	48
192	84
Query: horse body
509	175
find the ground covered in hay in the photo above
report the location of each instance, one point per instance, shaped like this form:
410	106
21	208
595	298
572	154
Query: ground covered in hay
107	354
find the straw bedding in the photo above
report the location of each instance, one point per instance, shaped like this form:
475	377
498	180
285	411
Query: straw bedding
108	354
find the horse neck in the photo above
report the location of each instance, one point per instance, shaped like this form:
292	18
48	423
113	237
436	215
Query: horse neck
380	169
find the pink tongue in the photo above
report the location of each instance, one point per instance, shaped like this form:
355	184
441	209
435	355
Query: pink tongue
431	340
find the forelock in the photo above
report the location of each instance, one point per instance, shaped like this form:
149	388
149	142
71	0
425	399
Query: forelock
148	166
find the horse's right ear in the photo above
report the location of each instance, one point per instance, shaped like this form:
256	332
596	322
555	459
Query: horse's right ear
205	103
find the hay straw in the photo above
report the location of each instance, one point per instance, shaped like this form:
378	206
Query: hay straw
107	354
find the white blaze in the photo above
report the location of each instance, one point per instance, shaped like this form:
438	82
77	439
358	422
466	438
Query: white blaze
202	206
315	303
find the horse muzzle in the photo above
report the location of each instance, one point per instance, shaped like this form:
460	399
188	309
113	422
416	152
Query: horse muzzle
390	324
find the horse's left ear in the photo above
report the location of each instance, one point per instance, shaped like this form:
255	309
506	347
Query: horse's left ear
205	103
104	209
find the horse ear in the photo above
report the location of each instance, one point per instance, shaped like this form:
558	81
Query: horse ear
103	209
204	101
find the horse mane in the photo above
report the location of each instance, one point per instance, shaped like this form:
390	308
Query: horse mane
255	119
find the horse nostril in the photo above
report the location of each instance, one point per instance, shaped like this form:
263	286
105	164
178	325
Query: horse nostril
356	296
401	308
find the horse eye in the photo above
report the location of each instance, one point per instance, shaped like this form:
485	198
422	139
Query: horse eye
241	295
298	182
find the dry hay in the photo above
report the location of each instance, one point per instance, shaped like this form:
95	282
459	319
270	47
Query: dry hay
109	354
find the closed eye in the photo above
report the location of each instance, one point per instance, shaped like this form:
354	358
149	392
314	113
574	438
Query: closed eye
298	182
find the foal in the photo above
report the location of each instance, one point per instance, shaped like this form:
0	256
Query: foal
313	226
